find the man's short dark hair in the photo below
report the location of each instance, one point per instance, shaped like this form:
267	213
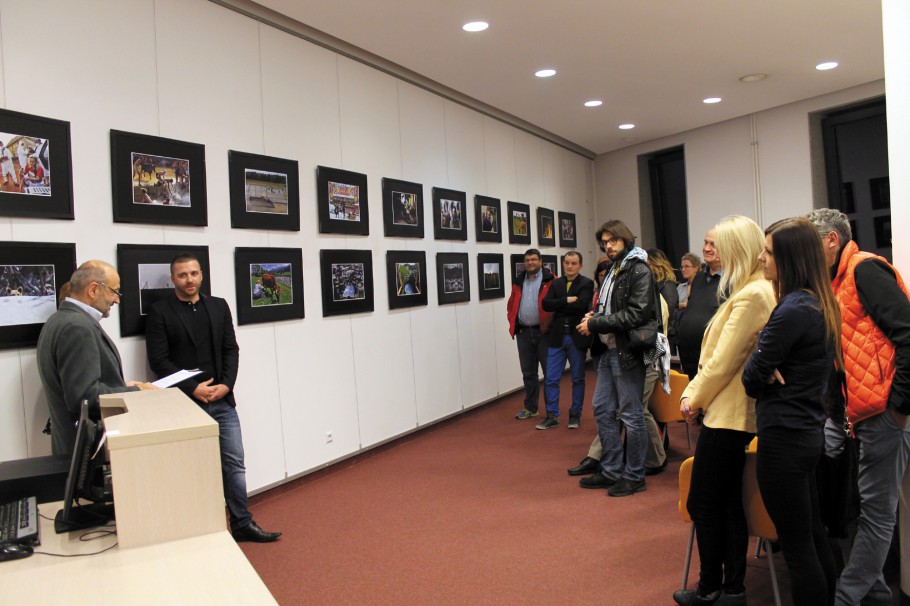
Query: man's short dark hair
184	257
618	229
532	251
575	253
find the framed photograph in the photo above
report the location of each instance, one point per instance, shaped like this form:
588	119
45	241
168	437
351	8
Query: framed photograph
341	196
157	180
490	275
407	278
882	231
550	262
145	279
880	190
546	228
519	223
265	192
347	281
449	219
29	145
567	230
402	208
489	219
453	278
31	274
269	283
516	264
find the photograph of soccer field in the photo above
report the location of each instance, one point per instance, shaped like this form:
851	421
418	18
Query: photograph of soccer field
271	284
265	192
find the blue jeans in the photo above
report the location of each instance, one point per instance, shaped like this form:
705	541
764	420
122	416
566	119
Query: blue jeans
556	363
532	352
233	473
883	452
620	389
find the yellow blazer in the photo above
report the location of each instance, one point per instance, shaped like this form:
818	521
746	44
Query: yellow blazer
730	338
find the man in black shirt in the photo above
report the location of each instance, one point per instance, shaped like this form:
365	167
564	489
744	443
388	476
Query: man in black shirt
700	308
190	330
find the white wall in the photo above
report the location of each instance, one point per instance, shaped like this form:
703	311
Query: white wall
725	173
194	71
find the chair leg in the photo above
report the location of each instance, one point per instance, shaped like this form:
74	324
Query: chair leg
758	546
688	436
685	580
773	572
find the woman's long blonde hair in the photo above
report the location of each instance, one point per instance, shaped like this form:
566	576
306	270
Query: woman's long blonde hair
739	242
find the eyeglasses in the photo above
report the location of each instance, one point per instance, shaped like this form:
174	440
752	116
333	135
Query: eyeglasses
687	266
119	293
610	242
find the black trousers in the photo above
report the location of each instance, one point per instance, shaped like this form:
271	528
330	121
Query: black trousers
785	468
716	506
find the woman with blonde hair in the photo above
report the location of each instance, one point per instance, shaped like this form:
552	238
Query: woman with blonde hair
715	494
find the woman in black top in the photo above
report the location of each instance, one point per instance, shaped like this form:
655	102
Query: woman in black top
787	376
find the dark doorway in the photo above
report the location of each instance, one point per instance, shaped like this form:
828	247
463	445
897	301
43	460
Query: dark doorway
856	169
667	173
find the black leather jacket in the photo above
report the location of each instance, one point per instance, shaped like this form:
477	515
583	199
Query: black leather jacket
632	305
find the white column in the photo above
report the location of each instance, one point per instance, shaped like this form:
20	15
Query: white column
895	25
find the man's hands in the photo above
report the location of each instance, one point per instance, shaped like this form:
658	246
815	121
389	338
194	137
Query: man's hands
141	385
206	393
583	327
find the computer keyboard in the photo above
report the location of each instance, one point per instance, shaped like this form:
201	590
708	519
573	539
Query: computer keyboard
19	521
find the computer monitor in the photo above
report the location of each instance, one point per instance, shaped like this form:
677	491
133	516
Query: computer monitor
86	476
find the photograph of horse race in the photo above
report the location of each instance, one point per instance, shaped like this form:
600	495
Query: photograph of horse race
265	192
271	284
160	180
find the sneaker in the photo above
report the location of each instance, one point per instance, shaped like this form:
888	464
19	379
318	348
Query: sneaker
526	414
549	423
574	421
598	480
689	597
624	488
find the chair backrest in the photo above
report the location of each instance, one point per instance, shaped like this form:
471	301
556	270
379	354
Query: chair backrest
665	406
760	524
685	478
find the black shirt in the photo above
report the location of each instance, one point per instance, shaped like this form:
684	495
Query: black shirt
196	315
694	319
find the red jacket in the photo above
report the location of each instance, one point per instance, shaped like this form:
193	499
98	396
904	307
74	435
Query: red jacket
515	302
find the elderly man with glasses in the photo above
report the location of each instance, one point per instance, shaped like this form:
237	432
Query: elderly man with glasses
76	358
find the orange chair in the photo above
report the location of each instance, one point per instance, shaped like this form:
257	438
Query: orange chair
665	406
685	479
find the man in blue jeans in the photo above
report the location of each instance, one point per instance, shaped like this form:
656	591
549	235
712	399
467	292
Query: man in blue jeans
569	298
190	330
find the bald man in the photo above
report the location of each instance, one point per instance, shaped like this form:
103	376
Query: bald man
76	358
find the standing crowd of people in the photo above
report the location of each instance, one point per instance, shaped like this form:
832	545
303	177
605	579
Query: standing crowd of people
790	335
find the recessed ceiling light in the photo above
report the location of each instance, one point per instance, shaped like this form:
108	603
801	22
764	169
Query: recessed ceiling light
826	66
475	26
593	103
711	100
754	78
545	73
626	126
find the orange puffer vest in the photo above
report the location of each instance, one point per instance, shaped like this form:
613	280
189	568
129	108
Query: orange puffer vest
868	353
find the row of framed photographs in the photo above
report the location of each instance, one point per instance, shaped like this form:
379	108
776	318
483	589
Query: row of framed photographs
162	181
268	282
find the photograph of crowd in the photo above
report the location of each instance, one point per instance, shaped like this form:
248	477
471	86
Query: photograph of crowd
450	214
25	165
568	229
265	192
271	284
404	208
489	219
407	276
344	201
160	180
453	277
347	282
154	284
28	294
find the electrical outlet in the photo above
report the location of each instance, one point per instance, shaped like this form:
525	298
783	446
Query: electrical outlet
329	437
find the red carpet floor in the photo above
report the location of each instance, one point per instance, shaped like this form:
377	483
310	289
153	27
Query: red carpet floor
480	510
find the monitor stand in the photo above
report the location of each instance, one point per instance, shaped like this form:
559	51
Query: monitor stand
84	516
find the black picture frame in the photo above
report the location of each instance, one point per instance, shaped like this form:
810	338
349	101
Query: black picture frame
45	194
551	262
342	201
487	223
880	193
450	214
546	227
517	264
519	220
402	208
568	236
145	271
488	266
31	274
269	284
341	270
265	192
175	190
406	272
453	278
882	227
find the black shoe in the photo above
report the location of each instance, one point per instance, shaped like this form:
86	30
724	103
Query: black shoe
252	532
548	423
598	480
653	471
574	421
624	488
689	597
587	466
732	599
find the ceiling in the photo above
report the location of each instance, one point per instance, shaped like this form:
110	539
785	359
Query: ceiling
651	62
